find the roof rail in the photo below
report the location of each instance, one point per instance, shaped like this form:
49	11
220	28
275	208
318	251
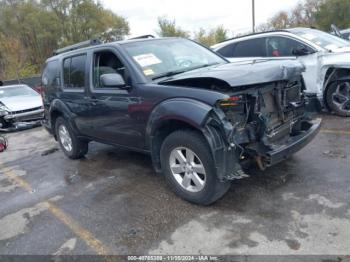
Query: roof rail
78	46
142	36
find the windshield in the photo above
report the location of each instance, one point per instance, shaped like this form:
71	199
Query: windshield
322	39
14	91
170	56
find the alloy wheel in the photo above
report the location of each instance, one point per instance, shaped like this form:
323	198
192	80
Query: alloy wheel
341	96
187	169
65	138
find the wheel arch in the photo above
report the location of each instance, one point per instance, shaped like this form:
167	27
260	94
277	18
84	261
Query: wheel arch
58	109
332	75
172	115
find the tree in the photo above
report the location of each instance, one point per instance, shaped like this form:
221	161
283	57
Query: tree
211	37
84	19
168	28
38	27
333	12
14	63
303	14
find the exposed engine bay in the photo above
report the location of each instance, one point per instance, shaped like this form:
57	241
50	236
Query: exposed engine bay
265	117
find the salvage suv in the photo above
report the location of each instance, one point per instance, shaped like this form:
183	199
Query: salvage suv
196	114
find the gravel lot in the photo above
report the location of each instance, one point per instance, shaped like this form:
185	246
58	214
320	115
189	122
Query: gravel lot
112	202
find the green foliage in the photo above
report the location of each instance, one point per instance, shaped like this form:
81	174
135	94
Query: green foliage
334	12
168	28
40	27
211	37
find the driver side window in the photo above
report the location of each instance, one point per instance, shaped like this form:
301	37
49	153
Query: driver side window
106	62
278	46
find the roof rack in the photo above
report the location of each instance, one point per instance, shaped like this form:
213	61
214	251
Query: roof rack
142	36
78	46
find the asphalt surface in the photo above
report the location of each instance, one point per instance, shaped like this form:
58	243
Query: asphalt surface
112	202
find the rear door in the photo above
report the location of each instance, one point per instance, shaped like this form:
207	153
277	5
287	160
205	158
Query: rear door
74	90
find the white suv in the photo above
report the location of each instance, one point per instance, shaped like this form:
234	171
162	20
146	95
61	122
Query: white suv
325	56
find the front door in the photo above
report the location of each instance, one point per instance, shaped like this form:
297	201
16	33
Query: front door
111	118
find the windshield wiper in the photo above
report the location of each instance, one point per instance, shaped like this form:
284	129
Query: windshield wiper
175	72
168	74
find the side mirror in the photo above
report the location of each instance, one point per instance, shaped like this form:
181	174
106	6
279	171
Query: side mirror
301	51
112	80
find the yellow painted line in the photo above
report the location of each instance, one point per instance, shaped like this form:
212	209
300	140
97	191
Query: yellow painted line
14	179
77	229
67	220
336	132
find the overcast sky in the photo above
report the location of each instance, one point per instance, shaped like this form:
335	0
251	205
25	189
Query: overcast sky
235	15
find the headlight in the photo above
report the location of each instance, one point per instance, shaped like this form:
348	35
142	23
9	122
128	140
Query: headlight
3	110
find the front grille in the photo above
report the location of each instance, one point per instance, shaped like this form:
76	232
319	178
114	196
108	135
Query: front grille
26	110
32	117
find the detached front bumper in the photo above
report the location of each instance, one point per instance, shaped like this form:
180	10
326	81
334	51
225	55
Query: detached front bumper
293	144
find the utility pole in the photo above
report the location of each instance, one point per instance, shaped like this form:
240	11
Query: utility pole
253	15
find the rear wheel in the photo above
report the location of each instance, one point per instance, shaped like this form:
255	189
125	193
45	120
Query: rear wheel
338	98
72	146
189	168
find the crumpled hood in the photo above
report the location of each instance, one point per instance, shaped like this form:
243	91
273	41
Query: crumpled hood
18	103
245	73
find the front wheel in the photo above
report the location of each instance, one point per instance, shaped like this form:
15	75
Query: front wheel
338	98
189	168
70	144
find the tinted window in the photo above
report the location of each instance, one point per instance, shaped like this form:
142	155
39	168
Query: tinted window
227	51
283	46
66	68
50	76
250	48
74	71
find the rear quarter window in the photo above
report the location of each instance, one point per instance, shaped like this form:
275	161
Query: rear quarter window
51	74
250	48
227	51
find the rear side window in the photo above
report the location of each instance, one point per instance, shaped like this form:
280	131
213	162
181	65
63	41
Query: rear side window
74	71
51	74
250	48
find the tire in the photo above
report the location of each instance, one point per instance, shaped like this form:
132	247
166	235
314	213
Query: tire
72	147
178	175
338	98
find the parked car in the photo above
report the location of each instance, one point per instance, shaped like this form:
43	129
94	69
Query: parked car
343	33
196	114
326	57
19	103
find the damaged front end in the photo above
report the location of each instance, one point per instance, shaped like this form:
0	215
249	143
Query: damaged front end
265	122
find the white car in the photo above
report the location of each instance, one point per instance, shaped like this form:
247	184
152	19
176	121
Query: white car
325	56
19	103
